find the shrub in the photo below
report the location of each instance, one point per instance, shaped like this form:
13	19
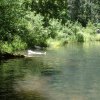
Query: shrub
55	28
18	44
5	47
37	34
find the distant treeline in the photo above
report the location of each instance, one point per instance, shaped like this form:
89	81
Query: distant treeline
74	10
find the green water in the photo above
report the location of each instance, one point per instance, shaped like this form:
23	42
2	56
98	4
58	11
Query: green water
67	73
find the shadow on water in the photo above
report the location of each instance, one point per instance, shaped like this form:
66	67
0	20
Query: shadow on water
12	79
6	82
50	71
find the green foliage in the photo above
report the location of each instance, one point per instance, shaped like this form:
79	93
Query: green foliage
20	27
37	34
11	22
18	44
50	9
90	29
5	47
74	10
25	23
80	38
72	32
54	27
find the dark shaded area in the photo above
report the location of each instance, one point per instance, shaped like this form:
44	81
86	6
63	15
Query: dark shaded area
50	72
10	56
10	72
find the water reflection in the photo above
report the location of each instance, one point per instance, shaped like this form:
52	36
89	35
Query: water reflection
7	77
31	87
68	73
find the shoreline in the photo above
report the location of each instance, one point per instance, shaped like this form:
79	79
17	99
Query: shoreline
5	56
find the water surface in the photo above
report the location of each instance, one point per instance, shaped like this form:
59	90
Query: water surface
67	73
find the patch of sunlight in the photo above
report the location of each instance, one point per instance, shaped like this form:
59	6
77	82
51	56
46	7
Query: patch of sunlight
30	83
54	43
97	37
32	86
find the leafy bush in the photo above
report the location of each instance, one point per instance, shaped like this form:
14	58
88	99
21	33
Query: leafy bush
55	28
21	28
5	47
69	32
18	44
37	34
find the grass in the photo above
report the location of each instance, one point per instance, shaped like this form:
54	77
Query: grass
52	43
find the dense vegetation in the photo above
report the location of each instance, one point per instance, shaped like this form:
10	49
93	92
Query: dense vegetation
25	23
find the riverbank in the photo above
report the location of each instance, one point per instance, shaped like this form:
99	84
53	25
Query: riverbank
5	56
52	44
